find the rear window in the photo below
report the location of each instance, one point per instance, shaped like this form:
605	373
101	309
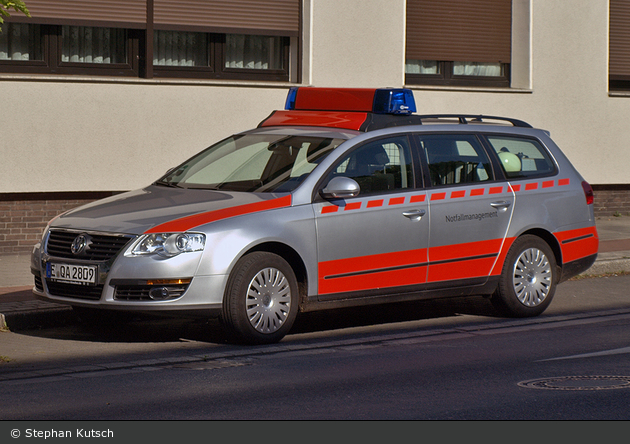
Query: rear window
455	159
521	157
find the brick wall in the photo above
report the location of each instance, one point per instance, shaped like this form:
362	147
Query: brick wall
24	217
612	200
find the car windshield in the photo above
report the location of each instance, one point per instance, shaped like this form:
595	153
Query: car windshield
253	162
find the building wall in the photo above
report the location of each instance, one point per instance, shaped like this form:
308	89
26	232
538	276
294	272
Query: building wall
73	134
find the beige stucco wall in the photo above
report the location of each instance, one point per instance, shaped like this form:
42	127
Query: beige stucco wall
357	43
75	136
62	134
569	90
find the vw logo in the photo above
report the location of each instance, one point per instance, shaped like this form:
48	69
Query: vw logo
80	244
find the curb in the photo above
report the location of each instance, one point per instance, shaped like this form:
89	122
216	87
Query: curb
31	320
608	266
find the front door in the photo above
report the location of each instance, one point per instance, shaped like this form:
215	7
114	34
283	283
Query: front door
375	242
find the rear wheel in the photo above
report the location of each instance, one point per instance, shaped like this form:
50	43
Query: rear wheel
260	303
528	280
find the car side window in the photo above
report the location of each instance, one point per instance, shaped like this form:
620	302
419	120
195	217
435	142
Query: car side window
521	157
455	159
379	166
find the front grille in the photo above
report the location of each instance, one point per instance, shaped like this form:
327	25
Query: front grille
91	292
102	247
142	292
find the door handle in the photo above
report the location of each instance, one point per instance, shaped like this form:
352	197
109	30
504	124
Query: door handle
414	214
501	205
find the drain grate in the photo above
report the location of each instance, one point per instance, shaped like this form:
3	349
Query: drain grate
578	383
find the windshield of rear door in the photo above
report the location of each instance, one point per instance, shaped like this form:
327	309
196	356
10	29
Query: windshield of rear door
258	163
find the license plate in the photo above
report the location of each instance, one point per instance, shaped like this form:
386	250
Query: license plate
75	274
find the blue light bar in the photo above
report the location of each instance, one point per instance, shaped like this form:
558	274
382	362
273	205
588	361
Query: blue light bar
291	97
394	101
380	101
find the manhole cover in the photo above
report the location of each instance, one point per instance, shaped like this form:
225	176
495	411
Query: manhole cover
578	383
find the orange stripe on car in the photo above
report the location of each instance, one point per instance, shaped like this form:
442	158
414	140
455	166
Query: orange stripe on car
196	220
374	271
578	243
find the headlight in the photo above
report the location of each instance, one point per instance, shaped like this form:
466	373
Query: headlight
168	244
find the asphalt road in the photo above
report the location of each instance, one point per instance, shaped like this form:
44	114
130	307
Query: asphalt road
438	360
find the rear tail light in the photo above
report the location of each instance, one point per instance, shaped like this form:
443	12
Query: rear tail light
588	192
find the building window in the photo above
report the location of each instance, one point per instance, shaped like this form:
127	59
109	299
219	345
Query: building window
459	43
86	44
254	52
619	45
174	48
433	72
20	42
213	39
228	56
84	50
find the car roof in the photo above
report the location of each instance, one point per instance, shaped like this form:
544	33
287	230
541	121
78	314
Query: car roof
365	109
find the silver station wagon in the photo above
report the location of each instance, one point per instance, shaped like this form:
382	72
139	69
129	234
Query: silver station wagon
346	197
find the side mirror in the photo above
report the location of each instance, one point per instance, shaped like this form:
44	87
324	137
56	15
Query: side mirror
340	188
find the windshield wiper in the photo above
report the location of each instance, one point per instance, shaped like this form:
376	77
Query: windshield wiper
167	184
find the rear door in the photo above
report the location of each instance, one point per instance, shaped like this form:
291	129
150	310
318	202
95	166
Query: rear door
470	211
374	243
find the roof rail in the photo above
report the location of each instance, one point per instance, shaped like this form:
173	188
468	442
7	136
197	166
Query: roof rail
473	118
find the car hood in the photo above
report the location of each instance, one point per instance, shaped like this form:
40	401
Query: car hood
165	209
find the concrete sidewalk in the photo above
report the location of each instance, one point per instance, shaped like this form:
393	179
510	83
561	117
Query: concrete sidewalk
19	308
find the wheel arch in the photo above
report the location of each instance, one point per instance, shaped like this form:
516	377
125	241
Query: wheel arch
290	255
550	239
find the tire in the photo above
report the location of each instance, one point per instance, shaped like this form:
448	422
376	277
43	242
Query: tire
261	299
528	279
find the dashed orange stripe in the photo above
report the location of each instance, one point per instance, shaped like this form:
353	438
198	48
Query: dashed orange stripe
418	198
442	195
375	203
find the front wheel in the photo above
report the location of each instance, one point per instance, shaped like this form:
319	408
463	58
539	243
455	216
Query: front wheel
528	279
260	303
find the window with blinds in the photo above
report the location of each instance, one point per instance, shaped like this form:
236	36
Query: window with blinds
229	39
459	42
619	45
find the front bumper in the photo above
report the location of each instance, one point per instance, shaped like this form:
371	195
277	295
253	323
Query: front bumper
147	284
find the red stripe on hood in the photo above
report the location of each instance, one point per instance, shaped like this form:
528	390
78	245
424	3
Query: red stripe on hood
195	220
